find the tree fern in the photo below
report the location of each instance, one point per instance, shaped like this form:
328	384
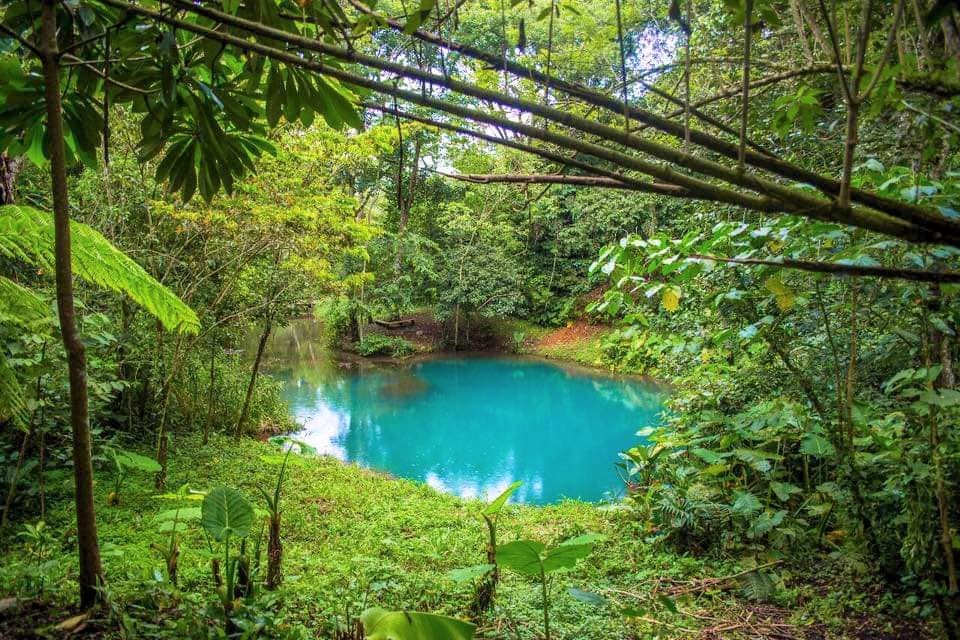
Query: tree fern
12	405
27	234
20	306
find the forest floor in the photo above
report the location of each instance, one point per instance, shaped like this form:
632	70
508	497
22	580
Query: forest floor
355	538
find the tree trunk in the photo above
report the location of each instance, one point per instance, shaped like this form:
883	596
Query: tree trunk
9	168
253	377
213	371
274	554
90	577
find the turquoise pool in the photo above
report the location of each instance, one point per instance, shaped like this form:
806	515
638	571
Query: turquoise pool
470	426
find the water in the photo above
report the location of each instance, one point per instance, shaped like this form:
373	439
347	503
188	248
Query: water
470	426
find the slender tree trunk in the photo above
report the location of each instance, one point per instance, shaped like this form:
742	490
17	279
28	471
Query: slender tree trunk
274	554
9	168
253	377
942	353
849	149
163	437
12	491
91	571
213	371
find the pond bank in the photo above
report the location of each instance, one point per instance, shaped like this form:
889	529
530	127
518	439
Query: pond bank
355	538
578	342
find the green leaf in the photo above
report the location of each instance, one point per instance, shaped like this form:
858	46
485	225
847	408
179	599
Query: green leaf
187	513
745	503
27	235
588	597
522	556
380	624
12	400
942	398
131	460
710	457
565	555
226	512
783	490
496	505
22	307
817	446
467	574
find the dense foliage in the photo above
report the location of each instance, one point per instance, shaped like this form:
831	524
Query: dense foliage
755	201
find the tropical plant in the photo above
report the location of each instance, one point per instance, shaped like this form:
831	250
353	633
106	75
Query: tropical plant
124	462
172	522
534	559
380	624
489	572
227	516
39	540
274	544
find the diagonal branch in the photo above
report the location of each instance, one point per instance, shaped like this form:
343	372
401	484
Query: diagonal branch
827	185
837	269
787	199
559	178
937	227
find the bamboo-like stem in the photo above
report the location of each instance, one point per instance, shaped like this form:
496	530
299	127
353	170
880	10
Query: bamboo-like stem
785	198
745	98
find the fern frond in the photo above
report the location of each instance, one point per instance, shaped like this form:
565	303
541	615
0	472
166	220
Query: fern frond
27	234
21	307
12	404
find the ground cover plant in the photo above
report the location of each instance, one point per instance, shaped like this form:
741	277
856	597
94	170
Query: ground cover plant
753	201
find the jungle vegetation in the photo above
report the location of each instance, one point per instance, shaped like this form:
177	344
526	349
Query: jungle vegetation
754	201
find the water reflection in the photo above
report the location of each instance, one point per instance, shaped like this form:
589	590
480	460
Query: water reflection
471	426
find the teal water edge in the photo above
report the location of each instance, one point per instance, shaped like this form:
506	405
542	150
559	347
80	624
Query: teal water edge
471	426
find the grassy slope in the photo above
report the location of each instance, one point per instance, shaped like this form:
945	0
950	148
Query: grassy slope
346	528
579	347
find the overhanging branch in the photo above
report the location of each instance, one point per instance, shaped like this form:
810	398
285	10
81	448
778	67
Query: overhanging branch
837	269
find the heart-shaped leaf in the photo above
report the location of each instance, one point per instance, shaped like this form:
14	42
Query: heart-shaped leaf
225	512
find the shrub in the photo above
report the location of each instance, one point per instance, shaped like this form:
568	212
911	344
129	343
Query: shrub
377	344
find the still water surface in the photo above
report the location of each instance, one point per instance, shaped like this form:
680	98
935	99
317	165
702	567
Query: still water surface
470	426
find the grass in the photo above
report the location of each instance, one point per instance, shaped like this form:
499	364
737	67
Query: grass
579	347
347	530
355	538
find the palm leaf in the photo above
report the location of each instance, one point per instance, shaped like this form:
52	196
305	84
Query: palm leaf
27	234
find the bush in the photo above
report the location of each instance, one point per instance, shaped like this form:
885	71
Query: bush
190	399
336	316
377	344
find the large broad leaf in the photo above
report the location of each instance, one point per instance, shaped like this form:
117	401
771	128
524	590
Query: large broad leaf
817	446
27	235
496	505
523	556
131	460
466	574
184	514
380	624
565	555
226	512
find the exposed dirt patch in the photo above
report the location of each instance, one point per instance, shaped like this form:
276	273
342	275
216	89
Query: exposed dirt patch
425	332
578	331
